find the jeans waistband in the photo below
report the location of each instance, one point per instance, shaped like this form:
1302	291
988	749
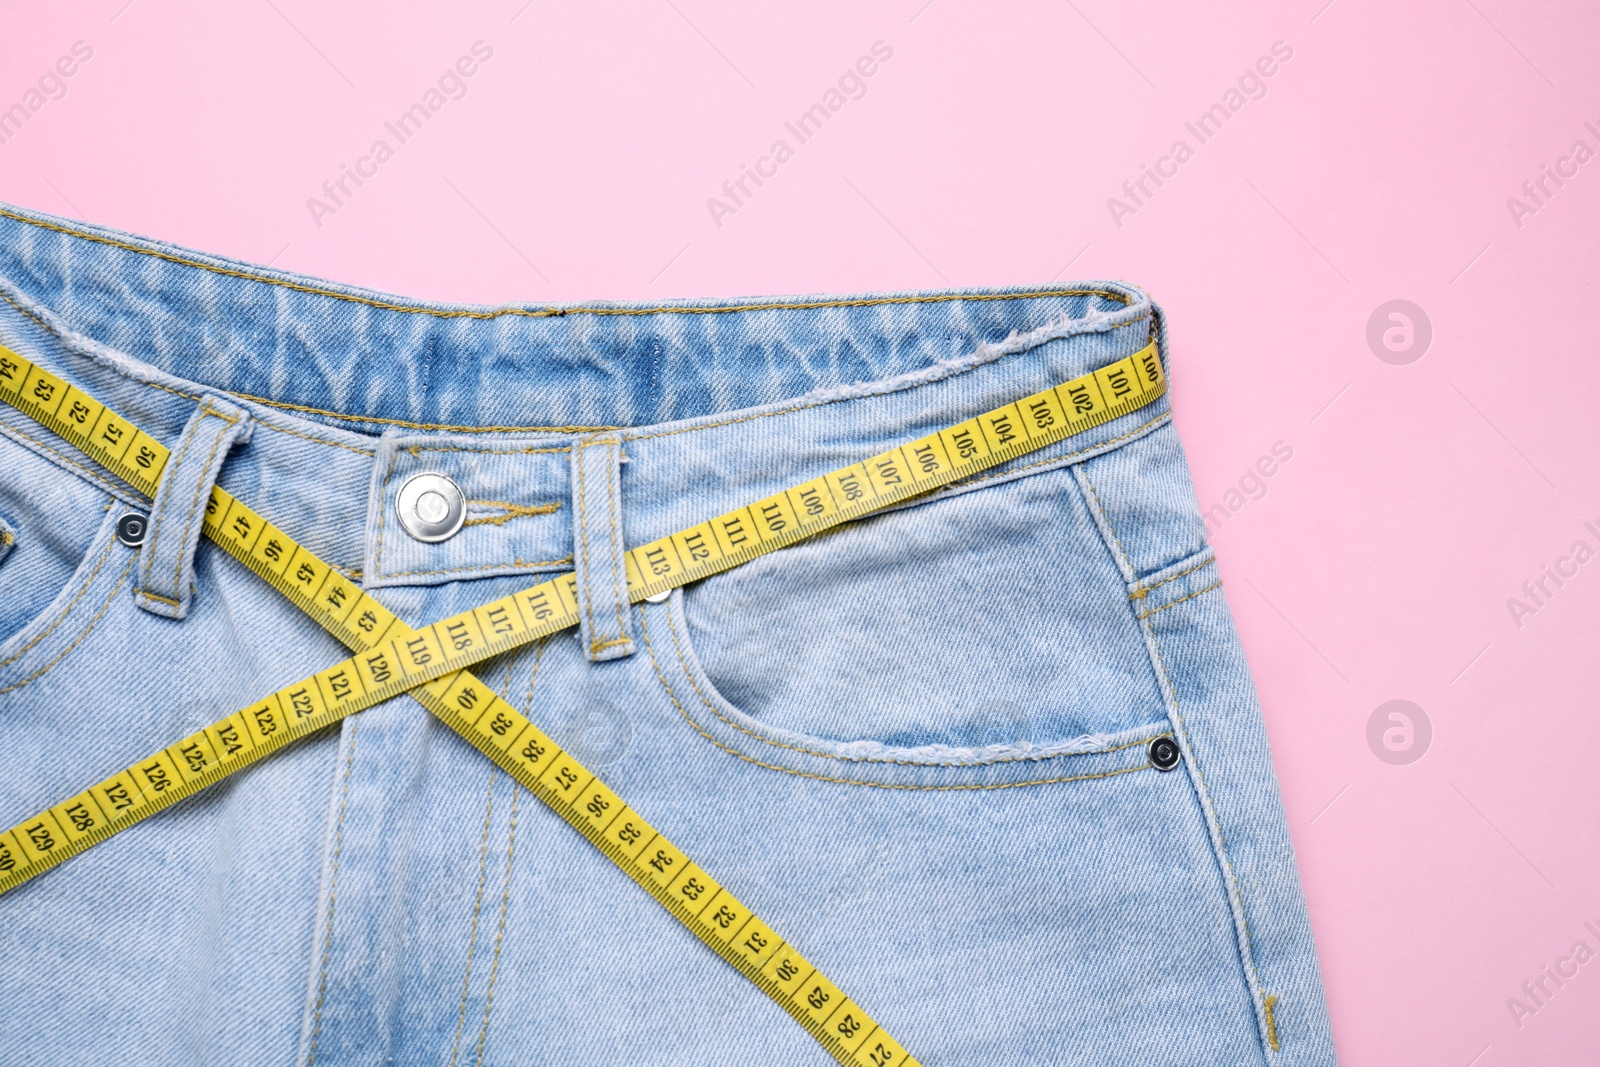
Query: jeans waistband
718	402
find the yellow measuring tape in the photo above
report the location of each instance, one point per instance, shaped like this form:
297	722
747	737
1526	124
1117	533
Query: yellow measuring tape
431	663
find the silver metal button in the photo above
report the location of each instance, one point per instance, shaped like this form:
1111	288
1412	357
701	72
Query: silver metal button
431	507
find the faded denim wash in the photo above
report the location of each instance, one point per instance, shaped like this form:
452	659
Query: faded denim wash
926	733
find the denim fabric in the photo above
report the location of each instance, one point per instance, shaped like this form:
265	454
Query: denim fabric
166	565
923	735
605	617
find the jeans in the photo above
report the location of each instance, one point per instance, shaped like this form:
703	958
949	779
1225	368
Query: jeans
926	735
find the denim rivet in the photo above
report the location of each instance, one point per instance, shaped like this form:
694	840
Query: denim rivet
131	529
1164	753
431	507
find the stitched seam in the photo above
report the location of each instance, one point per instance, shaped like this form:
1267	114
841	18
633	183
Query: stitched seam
1009	472
416	450
477	908
166	388
1235	890
556	313
812	404
613	494
194	505
511	855
645	626
36	319
512	511
293	286
683	663
164	500
505	903
539	313
1106	515
445	426
1205	789
529	509
1164	678
601	646
1145	590
383	513
562	562
309	437
66	611
51	329
589	429
1233	884
145	593
42	671
583	527
333	893
88	473
1180	600
533	680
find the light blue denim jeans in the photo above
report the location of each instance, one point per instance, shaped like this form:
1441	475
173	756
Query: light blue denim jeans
927	734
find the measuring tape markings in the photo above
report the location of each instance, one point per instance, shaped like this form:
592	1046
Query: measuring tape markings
697	900
184	768
430	662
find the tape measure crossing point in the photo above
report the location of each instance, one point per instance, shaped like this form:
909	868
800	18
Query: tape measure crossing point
431	663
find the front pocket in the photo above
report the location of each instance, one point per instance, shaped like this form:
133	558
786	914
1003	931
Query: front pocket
59	526
65	621
981	639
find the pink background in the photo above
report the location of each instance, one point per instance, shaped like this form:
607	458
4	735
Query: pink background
1379	563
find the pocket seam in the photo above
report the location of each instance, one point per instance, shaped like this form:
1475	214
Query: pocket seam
683	663
65	611
689	674
1174	603
1232	881
1144	590
76	641
963	786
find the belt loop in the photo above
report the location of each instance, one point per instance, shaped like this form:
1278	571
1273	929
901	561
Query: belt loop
166	560
605	617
